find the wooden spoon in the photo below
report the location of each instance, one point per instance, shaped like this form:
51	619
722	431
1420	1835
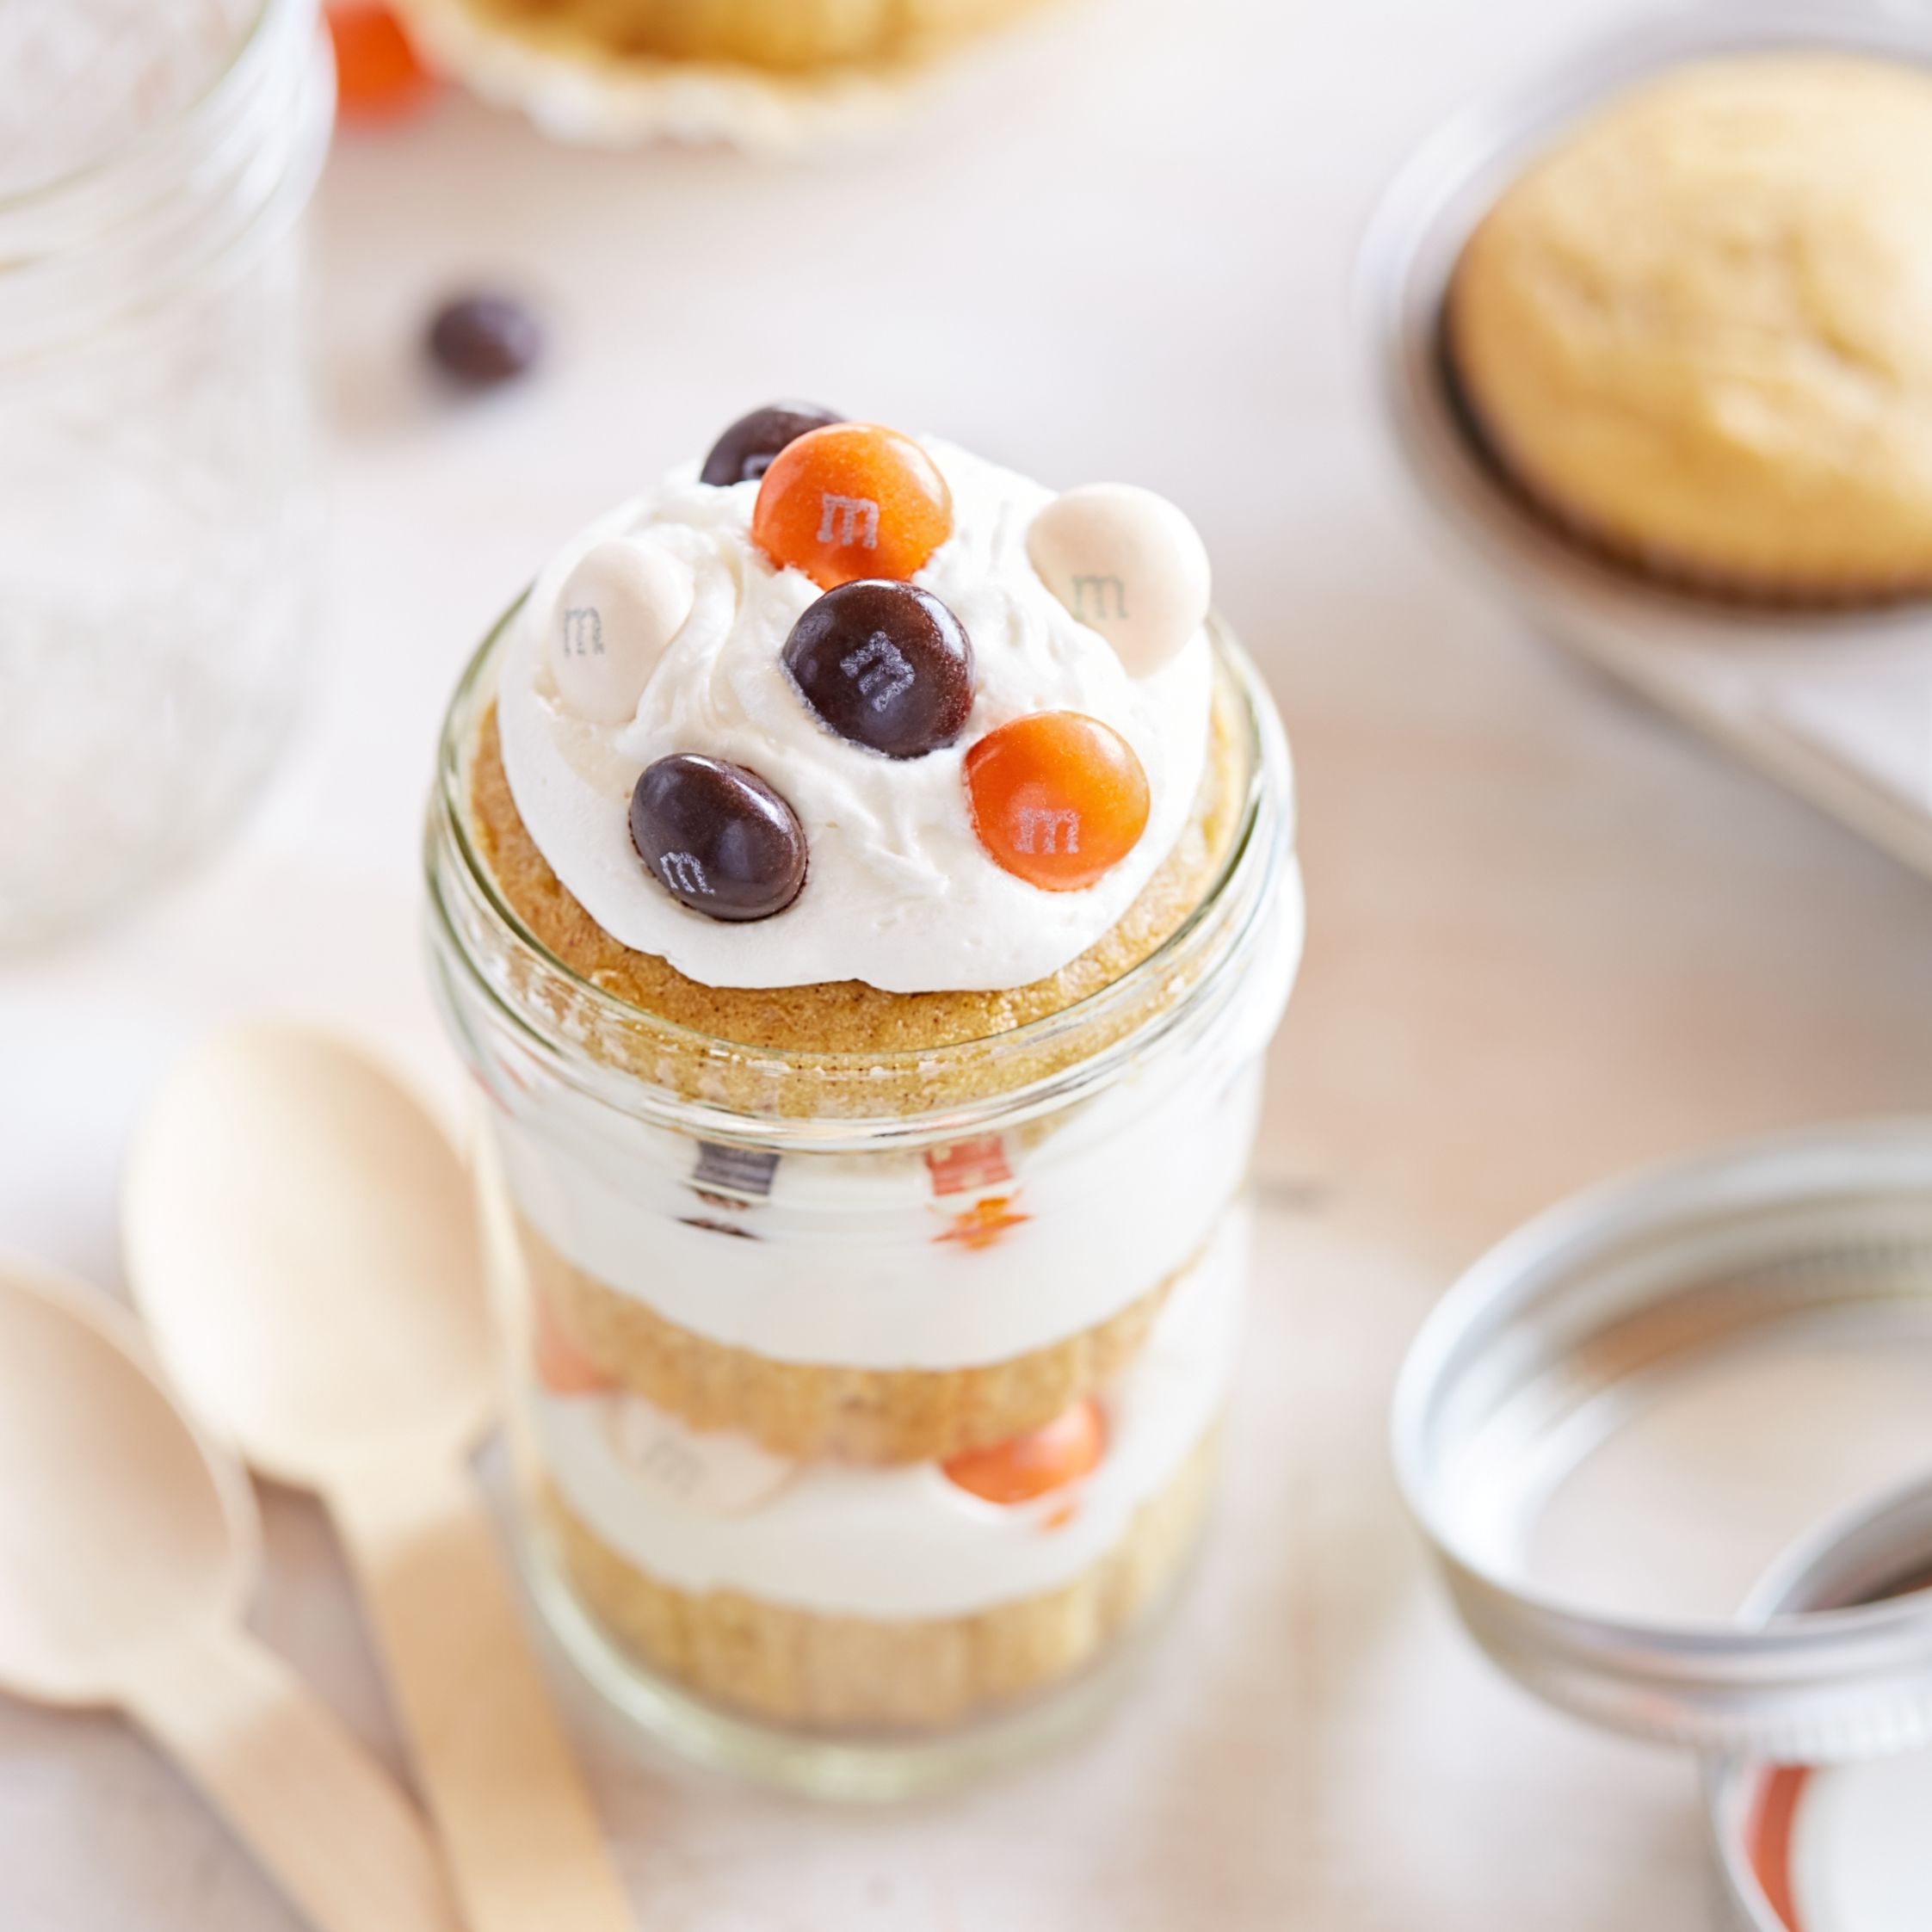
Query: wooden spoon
129	1550
302	1240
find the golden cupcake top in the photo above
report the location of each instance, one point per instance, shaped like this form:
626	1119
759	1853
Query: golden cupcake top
1700	329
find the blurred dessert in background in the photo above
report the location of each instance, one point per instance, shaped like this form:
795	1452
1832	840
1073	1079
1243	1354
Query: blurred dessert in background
771	76
788	36
1698	330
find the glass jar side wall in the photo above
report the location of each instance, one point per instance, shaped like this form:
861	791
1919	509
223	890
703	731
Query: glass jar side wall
766	1366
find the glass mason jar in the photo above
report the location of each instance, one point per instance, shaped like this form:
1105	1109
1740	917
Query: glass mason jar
795	1341
159	509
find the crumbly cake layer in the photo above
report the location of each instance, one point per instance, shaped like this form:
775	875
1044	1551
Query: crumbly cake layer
811	1671
849	1017
1698	332
803	1410
786	36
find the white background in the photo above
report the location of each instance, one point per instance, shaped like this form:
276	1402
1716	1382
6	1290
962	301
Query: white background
1550	935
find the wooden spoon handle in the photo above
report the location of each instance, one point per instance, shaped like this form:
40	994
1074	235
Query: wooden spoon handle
524	1848
326	1821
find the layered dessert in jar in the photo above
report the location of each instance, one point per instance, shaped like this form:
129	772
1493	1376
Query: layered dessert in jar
864	890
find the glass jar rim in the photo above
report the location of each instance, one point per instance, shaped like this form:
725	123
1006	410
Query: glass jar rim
204	186
211	101
1233	905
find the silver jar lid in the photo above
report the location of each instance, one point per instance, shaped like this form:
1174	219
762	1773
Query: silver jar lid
1619	1419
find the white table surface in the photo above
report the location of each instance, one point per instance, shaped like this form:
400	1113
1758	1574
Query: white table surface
1550	935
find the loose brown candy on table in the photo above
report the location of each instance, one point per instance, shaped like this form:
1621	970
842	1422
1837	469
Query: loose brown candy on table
484	339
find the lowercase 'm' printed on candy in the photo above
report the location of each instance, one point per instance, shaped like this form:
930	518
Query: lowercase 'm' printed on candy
885	665
852	500
717	837
745	450
618	609
1058	798
1128	565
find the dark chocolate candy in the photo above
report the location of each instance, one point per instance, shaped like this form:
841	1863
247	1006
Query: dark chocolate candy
885	664
484	339
717	837
744	451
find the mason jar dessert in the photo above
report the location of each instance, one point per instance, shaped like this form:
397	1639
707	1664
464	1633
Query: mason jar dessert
864	890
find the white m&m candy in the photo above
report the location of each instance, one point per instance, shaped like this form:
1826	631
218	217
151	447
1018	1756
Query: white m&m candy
1127	564
618	609
718	1473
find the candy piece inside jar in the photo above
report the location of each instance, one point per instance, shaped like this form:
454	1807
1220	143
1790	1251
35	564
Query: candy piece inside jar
717	837
561	1366
851	501
744	451
1036	1461
618	608
885	665
1058	798
715	1472
1127	564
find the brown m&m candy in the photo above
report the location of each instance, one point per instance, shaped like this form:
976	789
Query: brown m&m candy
887	665
745	450
1058	798
852	500
717	837
484	339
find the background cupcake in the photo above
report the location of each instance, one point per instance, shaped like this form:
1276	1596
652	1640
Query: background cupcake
1699	330
783	36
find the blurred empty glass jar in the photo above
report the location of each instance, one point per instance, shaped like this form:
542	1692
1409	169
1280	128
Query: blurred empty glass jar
158	483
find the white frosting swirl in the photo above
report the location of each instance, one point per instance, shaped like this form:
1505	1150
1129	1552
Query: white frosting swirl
900	893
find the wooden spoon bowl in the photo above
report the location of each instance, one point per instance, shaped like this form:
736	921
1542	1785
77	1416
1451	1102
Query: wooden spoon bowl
122	1526
302	1241
129	1550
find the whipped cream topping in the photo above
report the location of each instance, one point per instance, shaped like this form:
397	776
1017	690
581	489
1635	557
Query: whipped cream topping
711	1511
899	891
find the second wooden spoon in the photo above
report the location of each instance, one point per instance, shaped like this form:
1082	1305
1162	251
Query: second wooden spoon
301	1239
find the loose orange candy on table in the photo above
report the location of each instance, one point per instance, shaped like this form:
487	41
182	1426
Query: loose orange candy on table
377	73
852	500
1059	799
1036	1461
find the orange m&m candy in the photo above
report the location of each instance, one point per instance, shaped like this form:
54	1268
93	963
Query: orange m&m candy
561	1366
1034	1461
377	73
1058	797
852	500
